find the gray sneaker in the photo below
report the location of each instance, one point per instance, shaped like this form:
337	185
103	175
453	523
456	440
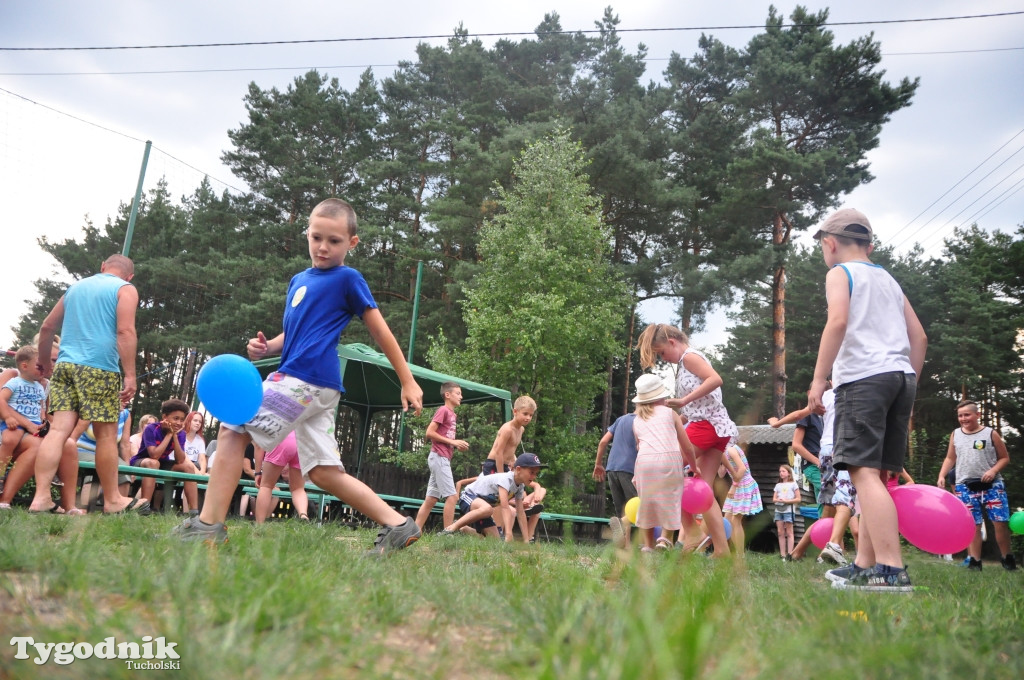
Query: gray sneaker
194	529
843	573
390	539
873	581
834	554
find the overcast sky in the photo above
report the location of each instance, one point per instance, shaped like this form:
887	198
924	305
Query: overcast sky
56	170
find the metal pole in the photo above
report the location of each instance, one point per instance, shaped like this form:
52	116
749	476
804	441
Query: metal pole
415	310
135	203
412	342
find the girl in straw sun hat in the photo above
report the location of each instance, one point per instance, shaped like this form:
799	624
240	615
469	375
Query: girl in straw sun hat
662	447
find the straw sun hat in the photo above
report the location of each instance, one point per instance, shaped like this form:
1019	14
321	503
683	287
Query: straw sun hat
650	387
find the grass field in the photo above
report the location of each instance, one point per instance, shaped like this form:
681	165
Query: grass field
293	600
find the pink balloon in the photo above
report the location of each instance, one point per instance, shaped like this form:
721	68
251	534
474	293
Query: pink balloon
932	519
697	496
821	532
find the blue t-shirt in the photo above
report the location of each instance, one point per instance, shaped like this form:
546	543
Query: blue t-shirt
319	305
26	398
89	330
622	457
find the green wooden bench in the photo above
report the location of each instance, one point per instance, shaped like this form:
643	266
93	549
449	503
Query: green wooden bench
171	479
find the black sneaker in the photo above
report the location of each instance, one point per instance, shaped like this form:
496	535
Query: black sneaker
973	564
872	580
843	573
1009	563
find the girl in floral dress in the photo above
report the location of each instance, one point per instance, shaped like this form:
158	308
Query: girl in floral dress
744	497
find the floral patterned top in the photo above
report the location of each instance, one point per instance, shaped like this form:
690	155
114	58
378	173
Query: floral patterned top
709	407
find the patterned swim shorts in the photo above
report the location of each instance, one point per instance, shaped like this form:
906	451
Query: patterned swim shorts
993	500
92	393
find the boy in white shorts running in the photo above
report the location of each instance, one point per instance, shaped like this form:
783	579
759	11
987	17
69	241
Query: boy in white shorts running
303	394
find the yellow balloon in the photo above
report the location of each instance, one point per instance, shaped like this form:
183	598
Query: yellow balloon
632	508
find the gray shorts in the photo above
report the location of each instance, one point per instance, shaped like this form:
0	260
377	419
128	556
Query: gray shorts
441	484
621	485
291	404
872	418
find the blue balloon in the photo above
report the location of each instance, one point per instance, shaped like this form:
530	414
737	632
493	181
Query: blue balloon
728	529
230	388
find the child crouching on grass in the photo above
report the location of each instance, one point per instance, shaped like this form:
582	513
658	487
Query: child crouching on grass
662	447
303	395
491	493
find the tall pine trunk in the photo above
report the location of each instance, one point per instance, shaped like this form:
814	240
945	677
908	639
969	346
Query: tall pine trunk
779	237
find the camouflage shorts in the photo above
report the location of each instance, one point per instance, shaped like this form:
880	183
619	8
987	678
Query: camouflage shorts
92	393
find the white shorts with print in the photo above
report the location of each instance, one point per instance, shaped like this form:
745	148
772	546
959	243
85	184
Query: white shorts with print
291	404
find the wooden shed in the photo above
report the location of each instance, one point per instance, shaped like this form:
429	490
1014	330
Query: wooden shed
767	448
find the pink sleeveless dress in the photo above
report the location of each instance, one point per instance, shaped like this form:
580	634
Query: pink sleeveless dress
658	474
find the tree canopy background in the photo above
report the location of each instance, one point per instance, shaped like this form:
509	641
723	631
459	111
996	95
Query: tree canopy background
626	189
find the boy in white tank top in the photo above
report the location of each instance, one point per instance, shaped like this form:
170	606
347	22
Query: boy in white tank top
873	345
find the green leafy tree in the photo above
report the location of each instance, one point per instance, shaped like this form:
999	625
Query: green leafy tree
539	316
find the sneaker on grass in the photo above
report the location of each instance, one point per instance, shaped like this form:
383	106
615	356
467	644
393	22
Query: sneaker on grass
1010	563
873	580
390	539
833	553
618	533
194	529
843	573
973	564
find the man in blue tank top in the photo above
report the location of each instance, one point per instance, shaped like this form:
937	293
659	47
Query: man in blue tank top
96	317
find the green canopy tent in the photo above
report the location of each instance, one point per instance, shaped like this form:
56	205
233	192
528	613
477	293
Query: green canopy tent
371	386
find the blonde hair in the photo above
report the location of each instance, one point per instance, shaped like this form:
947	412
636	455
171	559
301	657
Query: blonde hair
657	334
145	420
524	402
337	209
791	477
35	340
26	353
645	411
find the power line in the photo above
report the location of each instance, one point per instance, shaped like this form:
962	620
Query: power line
984	193
135	139
365	66
950	189
985	209
309	41
70	115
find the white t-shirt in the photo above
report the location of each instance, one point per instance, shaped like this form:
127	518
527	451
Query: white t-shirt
194	448
486	486
787	491
828	423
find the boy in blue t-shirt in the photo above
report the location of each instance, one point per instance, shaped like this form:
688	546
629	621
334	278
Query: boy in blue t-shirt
873	345
618	472
303	395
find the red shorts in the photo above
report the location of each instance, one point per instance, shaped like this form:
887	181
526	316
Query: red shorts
702	435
